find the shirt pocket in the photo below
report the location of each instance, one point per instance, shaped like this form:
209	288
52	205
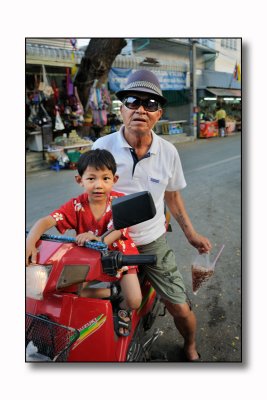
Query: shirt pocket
156	186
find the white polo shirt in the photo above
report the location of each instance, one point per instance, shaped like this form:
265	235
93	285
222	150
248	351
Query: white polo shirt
159	172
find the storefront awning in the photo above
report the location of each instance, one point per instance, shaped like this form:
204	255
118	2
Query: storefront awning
225	92
54	56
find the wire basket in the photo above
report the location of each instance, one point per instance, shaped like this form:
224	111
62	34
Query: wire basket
51	339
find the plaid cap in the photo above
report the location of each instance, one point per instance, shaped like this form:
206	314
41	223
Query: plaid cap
143	81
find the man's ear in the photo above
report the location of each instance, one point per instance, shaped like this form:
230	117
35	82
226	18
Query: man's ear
78	179
161	112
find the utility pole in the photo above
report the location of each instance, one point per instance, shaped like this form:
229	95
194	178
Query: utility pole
193	89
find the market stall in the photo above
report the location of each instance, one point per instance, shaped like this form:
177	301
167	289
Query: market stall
166	127
66	150
208	129
56	123
208	102
230	125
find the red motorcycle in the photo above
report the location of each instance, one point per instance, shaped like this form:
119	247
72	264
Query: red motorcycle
63	326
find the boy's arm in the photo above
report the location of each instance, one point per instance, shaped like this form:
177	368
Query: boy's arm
40	227
87	236
112	237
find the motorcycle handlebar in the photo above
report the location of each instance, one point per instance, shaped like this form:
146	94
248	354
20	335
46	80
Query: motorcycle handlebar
136	259
114	260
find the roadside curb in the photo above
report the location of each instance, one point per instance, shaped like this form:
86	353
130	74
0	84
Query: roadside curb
179	138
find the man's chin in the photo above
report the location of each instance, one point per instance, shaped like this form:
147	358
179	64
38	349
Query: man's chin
139	128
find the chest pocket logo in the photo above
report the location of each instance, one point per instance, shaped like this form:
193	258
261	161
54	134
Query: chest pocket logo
156	186
154	180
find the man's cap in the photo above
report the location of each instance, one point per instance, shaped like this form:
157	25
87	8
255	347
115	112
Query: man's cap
143	81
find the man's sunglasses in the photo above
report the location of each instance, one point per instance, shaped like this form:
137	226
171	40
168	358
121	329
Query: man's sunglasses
133	103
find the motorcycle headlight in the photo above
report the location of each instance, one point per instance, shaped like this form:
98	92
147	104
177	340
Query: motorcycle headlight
36	279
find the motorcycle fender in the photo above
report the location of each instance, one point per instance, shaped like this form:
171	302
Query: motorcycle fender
93	319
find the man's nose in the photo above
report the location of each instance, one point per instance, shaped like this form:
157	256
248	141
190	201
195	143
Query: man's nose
141	109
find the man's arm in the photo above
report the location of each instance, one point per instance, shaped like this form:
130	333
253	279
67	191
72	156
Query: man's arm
176	206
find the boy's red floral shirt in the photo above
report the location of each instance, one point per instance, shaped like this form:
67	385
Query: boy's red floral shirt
76	214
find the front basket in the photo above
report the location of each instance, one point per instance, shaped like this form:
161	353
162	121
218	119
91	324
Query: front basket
52	340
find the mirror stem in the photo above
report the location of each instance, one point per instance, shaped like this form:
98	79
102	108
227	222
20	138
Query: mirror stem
105	234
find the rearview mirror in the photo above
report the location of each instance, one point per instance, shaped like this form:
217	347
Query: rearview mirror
132	209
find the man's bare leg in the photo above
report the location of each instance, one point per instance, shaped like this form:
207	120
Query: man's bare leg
185	322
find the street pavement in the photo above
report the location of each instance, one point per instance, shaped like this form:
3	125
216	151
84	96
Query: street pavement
213	200
212	197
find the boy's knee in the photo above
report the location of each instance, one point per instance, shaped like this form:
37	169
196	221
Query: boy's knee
134	303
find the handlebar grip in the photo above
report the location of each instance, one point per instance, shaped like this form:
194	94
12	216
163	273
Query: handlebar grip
137	259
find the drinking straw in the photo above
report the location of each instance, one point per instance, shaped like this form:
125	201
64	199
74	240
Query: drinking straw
218	255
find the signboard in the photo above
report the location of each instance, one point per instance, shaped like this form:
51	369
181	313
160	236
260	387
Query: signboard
169	80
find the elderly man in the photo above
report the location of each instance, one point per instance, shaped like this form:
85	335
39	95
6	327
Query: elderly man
147	162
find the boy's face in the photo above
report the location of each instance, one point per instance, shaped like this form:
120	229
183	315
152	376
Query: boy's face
97	183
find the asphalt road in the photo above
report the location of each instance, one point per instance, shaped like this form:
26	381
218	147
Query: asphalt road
213	200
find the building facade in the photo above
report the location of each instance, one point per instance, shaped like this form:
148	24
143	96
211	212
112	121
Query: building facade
195	73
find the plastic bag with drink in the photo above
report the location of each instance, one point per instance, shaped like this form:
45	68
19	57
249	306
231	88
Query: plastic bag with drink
203	269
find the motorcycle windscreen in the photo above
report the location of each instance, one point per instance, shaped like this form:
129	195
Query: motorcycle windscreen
132	209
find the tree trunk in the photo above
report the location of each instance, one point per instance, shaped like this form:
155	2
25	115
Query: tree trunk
95	65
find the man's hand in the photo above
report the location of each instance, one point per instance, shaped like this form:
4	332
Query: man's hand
201	243
176	206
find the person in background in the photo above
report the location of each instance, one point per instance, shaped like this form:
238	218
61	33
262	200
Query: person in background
147	162
220	117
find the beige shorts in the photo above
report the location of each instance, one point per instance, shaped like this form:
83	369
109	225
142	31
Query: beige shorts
164	277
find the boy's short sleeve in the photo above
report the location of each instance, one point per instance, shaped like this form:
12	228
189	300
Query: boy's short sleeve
65	216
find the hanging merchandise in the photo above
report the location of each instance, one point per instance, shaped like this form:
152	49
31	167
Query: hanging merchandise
98	106
73	103
46	119
88	118
59	126
39	115
76	109
44	85
100	117
105	96
80	109
56	91
70	89
74	69
33	112
92	100
73	42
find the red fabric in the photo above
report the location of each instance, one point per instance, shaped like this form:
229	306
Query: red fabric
76	214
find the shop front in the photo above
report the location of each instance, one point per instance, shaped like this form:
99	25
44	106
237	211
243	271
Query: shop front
56	123
60	128
209	101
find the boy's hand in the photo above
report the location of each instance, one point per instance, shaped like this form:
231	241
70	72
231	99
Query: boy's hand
31	255
84	237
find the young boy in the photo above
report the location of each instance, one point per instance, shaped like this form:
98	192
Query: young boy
90	215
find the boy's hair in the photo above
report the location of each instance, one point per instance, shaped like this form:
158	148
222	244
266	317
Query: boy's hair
98	159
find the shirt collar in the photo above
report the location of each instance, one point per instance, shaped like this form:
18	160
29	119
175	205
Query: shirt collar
153	148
